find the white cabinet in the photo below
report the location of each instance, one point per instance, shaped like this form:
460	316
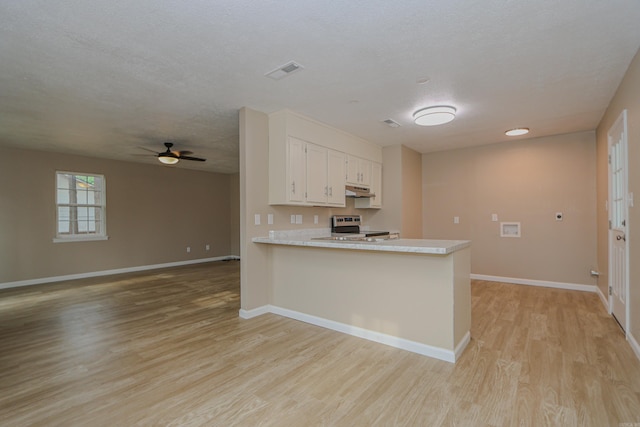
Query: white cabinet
316	174
308	161
358	171
287	172
311	175
335	179
325	176
296	170
376	188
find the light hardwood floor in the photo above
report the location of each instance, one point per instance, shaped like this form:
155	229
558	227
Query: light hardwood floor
167	348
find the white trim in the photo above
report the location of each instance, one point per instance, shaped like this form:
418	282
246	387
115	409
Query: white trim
390	340
542	283
255	312
39	281
634	344
604	300
621	121
79	238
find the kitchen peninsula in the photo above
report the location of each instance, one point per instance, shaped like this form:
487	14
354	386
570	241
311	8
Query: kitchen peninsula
412	294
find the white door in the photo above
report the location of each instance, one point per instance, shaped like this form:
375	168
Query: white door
618	217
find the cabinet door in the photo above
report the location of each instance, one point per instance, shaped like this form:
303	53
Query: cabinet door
376	185
336	170
353	173
296	170
364	168
317	190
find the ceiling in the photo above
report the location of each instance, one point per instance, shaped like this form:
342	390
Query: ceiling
108	78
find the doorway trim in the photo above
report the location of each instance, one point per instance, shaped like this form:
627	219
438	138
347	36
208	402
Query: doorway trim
621	121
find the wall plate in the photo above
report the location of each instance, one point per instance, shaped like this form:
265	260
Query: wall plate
509	229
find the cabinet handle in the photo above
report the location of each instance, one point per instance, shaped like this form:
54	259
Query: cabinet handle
293	187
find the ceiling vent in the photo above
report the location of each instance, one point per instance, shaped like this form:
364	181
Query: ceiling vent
284	70
392	123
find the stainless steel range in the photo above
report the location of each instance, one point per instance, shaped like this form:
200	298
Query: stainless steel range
347	228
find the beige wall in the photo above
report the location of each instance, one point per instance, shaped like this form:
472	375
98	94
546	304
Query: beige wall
411	194
401	192
153	214
627	97
234	213
522	181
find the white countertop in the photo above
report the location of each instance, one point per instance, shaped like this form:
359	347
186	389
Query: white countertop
422	246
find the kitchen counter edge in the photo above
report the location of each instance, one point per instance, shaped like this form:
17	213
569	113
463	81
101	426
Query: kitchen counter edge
420	246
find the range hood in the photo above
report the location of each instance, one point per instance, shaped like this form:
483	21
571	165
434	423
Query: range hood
358	192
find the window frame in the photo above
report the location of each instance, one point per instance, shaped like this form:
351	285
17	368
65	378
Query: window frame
84	237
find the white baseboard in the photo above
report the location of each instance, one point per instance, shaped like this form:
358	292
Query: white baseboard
634	345
390	340
603	298
250	314
542	283
42	280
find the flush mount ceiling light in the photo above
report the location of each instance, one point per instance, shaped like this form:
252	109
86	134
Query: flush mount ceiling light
432	116
517	132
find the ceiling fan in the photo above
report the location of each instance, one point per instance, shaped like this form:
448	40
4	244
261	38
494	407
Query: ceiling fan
171	157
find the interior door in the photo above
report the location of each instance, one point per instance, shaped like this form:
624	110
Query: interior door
618	217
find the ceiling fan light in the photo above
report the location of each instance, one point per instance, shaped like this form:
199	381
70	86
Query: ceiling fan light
168	160
433	116
517	132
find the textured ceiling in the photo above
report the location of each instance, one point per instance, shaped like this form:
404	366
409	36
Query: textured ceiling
104	78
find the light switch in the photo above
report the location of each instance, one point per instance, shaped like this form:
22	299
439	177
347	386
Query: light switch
494	217
270	219
456	220
298	219
256	219
293	219
315	219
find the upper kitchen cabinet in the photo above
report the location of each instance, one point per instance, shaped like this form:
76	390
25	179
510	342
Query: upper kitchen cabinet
336	178
325	176
376	188
307	161
296	171
358	171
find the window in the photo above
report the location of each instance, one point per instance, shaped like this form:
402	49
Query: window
80	207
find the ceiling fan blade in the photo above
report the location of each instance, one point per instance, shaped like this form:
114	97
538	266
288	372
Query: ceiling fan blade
148	149
198	159
183	152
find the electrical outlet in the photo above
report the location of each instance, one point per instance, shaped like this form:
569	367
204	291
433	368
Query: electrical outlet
456	220
298	219
270	219
207	247
315	219
256	219
188	249
494	217
293	219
